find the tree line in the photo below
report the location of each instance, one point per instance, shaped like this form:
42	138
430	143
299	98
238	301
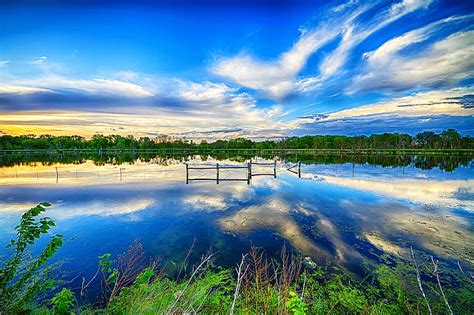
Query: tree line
448	139
425	162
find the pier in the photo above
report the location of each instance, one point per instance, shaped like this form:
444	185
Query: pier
218	168
295	169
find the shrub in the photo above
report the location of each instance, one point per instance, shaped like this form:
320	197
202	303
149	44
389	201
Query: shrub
23	277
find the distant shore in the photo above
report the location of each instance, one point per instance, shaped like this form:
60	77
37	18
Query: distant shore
394	151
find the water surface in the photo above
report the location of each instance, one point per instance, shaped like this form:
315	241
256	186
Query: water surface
341	210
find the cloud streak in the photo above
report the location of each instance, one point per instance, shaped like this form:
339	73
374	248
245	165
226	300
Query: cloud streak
354	33
278	77
444	62
281	77
434	110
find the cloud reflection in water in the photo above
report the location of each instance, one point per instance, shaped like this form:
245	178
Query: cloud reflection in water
332	218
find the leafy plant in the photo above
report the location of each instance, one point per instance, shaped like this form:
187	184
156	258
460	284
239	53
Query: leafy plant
296	304
22	278
105	264
63	301
145	276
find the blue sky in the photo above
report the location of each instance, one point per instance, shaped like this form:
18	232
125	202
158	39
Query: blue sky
220	69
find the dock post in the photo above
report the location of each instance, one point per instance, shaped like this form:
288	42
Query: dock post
274	169
217	169
299	169
187	174
249	172
57	175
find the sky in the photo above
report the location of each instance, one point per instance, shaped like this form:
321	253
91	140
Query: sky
223	69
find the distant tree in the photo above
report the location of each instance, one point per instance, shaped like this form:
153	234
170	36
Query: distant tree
448	139
451	138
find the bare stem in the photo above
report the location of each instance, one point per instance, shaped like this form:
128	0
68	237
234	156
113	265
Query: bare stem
240	275
204	261
436	274
186	258
418	278
84	285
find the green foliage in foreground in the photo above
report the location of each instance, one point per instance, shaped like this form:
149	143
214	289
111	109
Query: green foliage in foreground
318	290
259	285
22	277
63	301
211	291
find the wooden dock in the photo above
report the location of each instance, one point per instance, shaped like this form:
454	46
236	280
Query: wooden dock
218	168
295	169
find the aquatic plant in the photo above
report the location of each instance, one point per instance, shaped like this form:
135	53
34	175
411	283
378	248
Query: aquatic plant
22	277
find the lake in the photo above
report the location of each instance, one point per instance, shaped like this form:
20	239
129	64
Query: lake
342	209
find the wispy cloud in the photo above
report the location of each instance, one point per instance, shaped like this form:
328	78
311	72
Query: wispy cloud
100	86
38	60
355	32
426	103
438	110
277	78
21	90
281	77
206	91
446	61
391	47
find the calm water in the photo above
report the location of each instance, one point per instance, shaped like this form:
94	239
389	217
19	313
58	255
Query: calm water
343	212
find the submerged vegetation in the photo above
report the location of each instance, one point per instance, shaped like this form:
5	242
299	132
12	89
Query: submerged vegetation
449	140
291	284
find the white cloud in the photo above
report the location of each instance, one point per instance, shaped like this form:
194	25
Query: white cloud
89	86
4	63
274	77
446	61
93	208
433	192
385	52
15	89
105	86
353	33
205	202
206	91
407	6
277	78
419	104
423	104
61	211
38	60
208	110
127	75
151	106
